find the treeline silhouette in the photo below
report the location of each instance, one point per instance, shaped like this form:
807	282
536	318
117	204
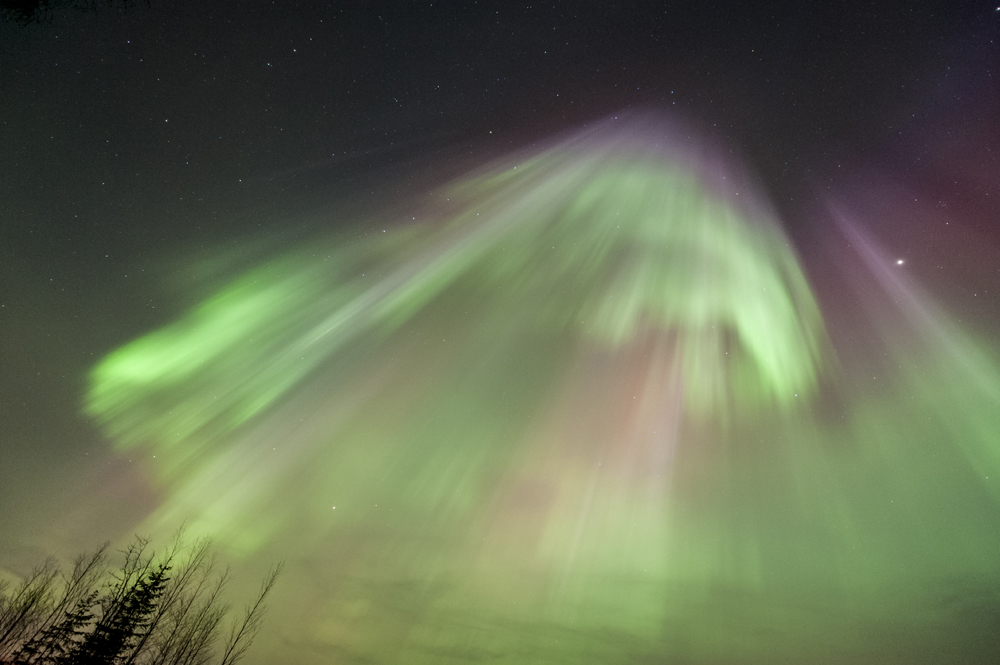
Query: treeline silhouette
153	609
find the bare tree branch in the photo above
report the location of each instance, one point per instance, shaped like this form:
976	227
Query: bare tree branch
242	636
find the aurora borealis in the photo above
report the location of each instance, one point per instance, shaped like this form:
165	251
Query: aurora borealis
642	334
583	394
592	240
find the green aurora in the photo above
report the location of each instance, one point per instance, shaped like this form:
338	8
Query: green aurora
585	409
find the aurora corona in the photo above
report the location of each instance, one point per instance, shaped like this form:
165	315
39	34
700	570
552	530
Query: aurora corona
581	390
603	241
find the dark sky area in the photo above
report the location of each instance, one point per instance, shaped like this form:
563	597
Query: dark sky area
127	129
151	151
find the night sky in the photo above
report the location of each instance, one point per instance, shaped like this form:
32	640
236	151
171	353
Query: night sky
590	332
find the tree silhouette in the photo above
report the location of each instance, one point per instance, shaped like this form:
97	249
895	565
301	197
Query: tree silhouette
152	610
